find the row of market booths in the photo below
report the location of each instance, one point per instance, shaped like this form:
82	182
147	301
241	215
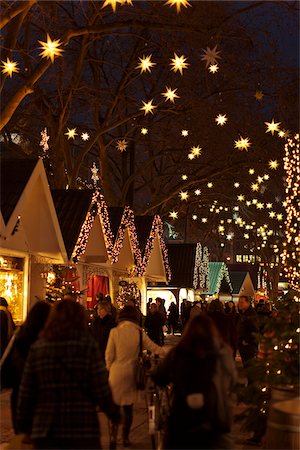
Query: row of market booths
51	241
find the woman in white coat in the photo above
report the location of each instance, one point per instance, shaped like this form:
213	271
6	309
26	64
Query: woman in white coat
121	360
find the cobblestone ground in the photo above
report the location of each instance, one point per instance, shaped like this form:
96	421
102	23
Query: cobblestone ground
140	436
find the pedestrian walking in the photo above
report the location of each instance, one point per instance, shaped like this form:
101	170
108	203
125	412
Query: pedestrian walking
102	324
7	325
121	360
64	381
173	318
154	323
247	328
201	371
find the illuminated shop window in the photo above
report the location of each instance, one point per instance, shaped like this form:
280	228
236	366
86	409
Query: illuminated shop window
12	285
238	258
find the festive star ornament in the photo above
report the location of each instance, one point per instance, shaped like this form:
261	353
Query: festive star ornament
242	143
95	176
248	203
113	3
197	192
260	205
236	185
279	217
283	133
183	195
229	237
178	4
50	48
246	236
184	133
210	185
210	56
251	171
254	201
221	229
148	107
191	156
272	214
204	219
194	217
272	127
173	215
196	150
259	95
9	67
213	68
145	64
144	131
241	197
170	95
184	177
221	119
122	145
71	133
178	63
269	205
260	179
273	164
85	136
266	176
254	187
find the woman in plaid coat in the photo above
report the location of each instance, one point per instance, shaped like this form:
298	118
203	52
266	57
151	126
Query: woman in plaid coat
64	381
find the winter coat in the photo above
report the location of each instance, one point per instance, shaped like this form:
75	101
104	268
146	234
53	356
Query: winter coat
200	428
154	323
7	327
62	383
247	327
121	359
100	329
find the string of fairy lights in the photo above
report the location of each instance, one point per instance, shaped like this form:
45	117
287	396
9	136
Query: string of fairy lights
291	249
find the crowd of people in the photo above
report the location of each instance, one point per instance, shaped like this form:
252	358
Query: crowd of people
66	367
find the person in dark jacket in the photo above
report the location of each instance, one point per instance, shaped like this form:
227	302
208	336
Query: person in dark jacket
7	325
223	323
64	380
102	325
154	323
201	370
26	336
173	318
247	327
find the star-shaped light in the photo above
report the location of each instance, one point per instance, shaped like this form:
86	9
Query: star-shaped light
122	145
283	133
178	63
209	184
273	164
221	119
272	214
144	131
254	201
145	64
194	217
204	219
210	56
260	205
241	197
173	215
184	133
9	67
269	205
191	156
251	171
71	133
254	187
236	184
183	195
50	48
85	136
213	68
246	236
266	176
242	143
248	202
229	236
272	127
259	95
148	107
279	217
196	150
197	192
260	179
184	177
221	229
178	4
113	3
170	95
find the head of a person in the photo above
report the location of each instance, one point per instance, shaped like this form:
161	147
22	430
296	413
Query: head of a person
216	306
200	336
35	321
244	303
231	304
158	301
131	301
103	308
129	313
107	299
153	308
64	318
70	296
3	302
99	297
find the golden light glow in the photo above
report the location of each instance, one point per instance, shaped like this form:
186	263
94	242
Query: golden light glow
50	48
184	177
260	179
178	63
204	219
184	133
272	127
85	136
260	205
273	164
213	68
113	3
251	171
194	217
71	133
269	205
221	229
236	185
173	215
183	195
210	185
122	145
196	150
272	214
148	107
145	64
170	95
242	143
259	95
221	119
197	192
9	67
241	197
210	56
178	4
254	187
144	131
191	156
279	217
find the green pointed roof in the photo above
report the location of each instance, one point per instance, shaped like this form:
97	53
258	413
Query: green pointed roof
219	278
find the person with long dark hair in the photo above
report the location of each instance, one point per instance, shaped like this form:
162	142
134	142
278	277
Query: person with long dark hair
201	370
64	381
